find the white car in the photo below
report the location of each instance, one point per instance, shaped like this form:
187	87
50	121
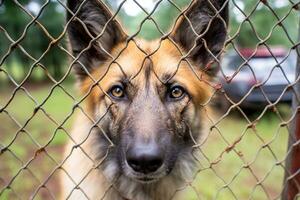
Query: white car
259	76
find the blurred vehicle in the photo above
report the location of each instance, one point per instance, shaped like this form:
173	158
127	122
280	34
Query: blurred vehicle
274	69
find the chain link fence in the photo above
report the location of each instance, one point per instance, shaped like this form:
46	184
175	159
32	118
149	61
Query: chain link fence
250	149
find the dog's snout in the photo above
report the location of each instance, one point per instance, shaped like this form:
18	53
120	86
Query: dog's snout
145	159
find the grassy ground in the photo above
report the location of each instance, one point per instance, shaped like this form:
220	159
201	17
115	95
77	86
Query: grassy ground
238	162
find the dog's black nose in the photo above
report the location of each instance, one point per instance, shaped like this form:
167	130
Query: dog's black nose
144	159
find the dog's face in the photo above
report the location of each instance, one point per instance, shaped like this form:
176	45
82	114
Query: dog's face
154	107
147	99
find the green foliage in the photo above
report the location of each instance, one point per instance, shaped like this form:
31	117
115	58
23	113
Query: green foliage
34	40
164	16
263	24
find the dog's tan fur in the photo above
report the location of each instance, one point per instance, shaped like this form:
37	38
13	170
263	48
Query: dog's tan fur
83	176
165	61
131	61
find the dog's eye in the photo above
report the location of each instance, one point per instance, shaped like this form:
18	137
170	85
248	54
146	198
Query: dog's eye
176	92
117	91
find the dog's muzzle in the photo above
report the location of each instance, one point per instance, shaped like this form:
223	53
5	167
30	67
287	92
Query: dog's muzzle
145	158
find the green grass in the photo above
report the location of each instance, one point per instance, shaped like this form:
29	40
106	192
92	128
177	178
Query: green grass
248	163
224	174
39	131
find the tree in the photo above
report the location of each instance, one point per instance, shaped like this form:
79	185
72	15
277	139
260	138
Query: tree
164	16
261	23
261	20
14	20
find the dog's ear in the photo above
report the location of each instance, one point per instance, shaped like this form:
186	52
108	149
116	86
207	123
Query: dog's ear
92	20
207	17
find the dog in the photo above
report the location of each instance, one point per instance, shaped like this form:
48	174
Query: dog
144	109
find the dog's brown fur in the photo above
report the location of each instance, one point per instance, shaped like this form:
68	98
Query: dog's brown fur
91	169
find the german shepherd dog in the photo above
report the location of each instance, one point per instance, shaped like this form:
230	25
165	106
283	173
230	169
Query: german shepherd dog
146	103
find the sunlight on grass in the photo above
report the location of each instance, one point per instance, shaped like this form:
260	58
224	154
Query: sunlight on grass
251	158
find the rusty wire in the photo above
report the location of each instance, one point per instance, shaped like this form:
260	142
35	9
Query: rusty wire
7	185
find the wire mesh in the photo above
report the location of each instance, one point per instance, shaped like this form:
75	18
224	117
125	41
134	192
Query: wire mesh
57	142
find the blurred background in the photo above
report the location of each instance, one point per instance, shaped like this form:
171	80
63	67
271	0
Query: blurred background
37	95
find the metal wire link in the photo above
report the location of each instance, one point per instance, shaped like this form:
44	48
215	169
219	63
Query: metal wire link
242	154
